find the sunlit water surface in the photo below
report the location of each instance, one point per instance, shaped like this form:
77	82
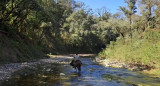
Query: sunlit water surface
92	74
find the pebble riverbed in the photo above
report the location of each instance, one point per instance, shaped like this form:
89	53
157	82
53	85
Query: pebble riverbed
6	70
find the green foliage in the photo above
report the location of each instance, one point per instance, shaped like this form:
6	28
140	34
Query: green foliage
144	51
12	50
144	46
36	27
86	32
147	9
157	12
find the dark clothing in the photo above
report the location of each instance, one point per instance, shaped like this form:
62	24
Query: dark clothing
73	62
76	64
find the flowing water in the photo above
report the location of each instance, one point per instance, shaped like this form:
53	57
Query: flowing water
92	74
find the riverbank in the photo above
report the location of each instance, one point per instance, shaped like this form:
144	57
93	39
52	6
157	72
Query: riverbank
92	74
141	54
133	67
6	70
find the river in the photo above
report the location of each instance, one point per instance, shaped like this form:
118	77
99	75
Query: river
92	74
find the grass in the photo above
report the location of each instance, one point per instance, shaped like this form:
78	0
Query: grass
144	50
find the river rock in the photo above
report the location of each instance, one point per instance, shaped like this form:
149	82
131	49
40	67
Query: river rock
62	74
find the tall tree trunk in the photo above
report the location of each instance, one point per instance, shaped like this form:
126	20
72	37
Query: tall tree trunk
130	22
149	15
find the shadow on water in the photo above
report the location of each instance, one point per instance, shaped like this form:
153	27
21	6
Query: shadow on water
92	74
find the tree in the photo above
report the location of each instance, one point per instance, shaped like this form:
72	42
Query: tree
119	26
147	9
139	24
157	12
129	12
103	13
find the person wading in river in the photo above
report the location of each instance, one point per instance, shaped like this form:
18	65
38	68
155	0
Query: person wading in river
76	62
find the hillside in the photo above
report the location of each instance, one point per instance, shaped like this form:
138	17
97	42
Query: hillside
17	49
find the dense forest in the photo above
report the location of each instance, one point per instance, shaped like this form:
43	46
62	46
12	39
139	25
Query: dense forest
30	29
